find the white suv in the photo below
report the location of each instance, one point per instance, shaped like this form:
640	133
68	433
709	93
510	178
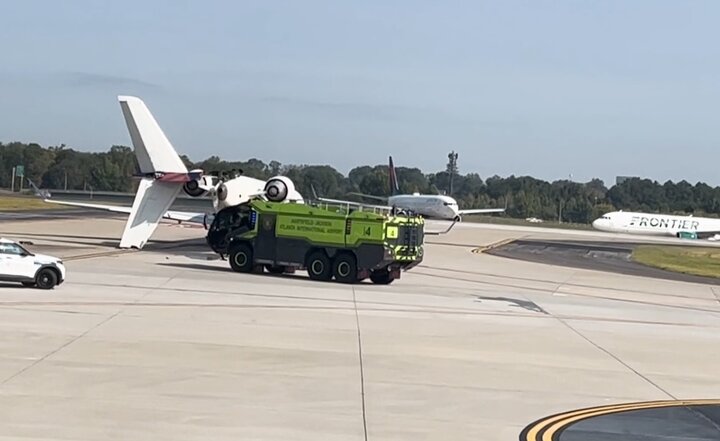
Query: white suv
17	264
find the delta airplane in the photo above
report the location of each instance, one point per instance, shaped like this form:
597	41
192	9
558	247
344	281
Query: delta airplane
434	206
163	174
659	225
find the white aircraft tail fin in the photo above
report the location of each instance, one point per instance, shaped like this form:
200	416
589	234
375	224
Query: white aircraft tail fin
163	176
155	154
153	150
152	201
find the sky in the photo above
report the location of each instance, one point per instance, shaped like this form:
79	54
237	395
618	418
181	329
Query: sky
551	89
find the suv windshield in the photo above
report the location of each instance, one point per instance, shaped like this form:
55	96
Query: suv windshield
231	217
12	248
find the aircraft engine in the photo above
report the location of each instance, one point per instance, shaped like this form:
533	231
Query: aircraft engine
199	187
236	191
193	188
222	192
280	188
242	188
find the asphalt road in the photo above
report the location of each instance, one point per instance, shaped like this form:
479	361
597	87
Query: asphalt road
691	423
693	420
601	256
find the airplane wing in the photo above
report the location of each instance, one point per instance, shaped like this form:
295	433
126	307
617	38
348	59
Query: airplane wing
481	211
45	196
182	216
115	208
359	204
369	196
344	202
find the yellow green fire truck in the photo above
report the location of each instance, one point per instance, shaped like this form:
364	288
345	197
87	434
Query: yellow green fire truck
344	243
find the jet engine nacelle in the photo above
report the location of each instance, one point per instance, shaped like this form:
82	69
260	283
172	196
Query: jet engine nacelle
193	188
201	186
242	188
237	191
280	189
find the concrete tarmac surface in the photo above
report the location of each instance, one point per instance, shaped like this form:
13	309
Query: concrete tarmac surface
168	344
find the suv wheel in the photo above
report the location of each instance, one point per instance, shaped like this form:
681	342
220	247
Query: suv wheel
345	268
241	258
319	266
46	279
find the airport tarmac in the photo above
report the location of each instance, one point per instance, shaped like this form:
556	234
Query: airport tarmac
168	344
595	255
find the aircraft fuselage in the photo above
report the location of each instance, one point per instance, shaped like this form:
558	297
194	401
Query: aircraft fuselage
431	206
655	224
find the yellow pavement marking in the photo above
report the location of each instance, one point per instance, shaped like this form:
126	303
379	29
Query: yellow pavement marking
551	425
492	245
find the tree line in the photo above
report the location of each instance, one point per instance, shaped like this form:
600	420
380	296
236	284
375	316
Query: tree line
60	167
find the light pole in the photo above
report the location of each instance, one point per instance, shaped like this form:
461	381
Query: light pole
560	204
452	166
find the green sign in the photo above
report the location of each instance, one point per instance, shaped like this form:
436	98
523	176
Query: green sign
20	170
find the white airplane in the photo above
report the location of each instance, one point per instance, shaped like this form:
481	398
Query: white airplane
163	175
435	206
687	227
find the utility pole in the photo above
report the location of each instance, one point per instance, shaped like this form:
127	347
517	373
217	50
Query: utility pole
20	173
560	203
452	169
66	180
12	186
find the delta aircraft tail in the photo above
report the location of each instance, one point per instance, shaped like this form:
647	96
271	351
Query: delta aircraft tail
393	181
